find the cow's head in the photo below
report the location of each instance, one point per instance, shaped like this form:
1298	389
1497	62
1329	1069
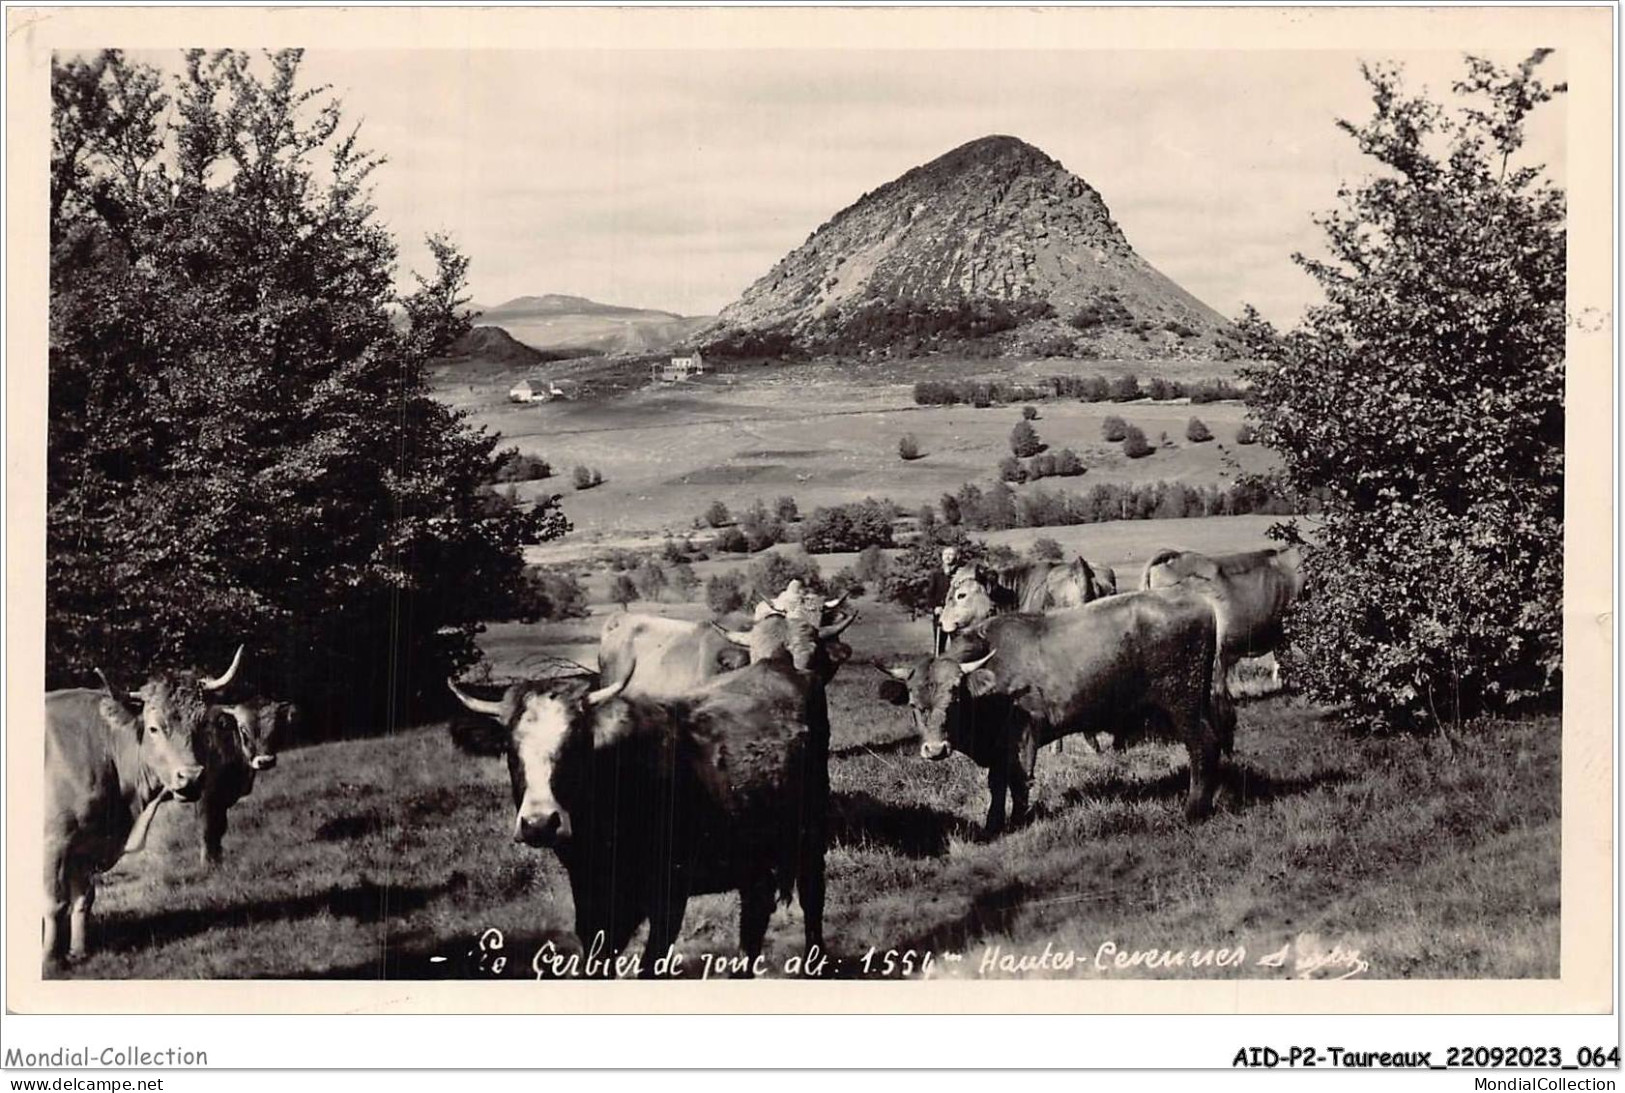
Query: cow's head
548	722
794	639
176	710
968	603
937	691
261	726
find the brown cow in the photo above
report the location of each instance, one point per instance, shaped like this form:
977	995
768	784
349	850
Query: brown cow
107	769
647	802
1031	587
1143	662
1250	592
666	657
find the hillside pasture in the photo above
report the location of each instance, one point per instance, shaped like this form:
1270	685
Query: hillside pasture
389	858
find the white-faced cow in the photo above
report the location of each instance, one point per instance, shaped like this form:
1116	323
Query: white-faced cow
107	769
1250	593
649	802
666	657
241	742
1134	664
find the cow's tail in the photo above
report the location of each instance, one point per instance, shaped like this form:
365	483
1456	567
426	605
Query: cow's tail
1157	559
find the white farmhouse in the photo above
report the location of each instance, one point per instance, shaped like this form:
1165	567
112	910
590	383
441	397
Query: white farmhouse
680	369
521	392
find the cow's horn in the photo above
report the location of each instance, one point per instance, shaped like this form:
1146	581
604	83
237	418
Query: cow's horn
895	673
604	694
970	666
478	705
830	605
108	687
738	637
833	630
231	673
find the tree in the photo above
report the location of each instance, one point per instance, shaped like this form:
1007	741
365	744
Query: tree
1029	413
650	579
622	590
242	441
1113	428
1024	440
1246	434
587	477
1046	550
724	592
1423	404
717	515
908	448
1197	431
785	509
684	580
1135	445
771	572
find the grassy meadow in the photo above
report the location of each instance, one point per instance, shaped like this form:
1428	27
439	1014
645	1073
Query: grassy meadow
390	856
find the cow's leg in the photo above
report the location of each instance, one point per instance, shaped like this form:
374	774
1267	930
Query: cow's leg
998	780
1202	744
810	892
82	895
56	908
1022	766
214	830
665	925
755	910
1223	715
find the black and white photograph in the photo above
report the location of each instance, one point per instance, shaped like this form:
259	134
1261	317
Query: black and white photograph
1037	515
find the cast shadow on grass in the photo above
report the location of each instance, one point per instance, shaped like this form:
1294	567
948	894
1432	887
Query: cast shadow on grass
364	902
1240	787
914	831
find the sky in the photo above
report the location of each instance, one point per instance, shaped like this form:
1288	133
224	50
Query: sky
674	179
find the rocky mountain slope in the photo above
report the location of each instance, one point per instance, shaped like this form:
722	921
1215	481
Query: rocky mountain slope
992	241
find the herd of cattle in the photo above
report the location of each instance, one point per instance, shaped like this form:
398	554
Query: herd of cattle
697	759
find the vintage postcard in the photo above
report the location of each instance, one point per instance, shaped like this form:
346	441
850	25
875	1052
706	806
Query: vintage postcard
811	511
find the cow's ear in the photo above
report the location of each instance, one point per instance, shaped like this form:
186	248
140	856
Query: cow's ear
980	682
893	691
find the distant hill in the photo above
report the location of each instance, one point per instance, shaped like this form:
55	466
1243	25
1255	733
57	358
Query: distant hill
994	242
574	324
493	344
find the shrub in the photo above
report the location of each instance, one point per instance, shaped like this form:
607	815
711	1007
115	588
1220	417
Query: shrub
1067	463
516	467
1029	413
771	572
951	514
724	592
1094	389
684	580
731	540
1197	432
717	515
651	580
551	594
1126	388
908	578
1024	440
850	527
907	447
1246	434
1010	470
1434	587
785	509
672	551
1135	446
1114	428
587	477
1045	550
622	590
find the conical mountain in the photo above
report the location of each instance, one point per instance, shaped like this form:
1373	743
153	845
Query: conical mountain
993	239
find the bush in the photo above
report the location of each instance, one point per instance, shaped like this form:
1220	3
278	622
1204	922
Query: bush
769	574
551	594
1197	432
908	579
1067	463
724	592
1246	434
1126	388
684	580
1114	429
1024	440
1094	389
731	540
872	566
1434	587
622	590
1010	470
587	477
516	467
717	515
1029	413
785	509
842	528
1135	446
1046	550
907	447
650	579
673	551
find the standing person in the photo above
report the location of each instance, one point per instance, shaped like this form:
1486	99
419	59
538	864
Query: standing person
941	579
